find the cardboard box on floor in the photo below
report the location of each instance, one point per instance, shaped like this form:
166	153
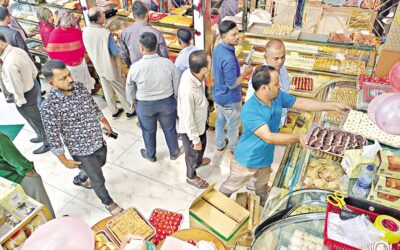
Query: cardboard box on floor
214	212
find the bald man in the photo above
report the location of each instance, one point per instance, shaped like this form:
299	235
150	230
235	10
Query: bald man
103	53
275	55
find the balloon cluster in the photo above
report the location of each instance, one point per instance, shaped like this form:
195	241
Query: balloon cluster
384	110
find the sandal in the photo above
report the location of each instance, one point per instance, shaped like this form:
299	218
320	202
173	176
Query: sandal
114	209
205	161
226	144
198	182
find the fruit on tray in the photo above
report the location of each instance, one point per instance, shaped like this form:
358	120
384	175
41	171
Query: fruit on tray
339	38
334	141
130	222
278	30
156	16
166	223
103	242
373	79
323	174
303	83
326	64
343	95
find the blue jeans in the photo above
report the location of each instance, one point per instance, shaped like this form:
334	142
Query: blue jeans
163	110
228	114
91	168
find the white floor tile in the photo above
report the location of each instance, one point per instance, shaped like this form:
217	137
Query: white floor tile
129	189
84	211
58	198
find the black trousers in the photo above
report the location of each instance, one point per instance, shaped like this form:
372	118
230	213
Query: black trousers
31	113
193	157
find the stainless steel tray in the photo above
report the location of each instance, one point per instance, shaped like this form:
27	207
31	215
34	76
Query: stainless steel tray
324	151
107	237
143	218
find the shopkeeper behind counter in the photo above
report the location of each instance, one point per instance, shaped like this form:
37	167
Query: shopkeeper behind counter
261	116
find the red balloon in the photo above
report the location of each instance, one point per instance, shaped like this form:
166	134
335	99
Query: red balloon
394	76
388	115
375	103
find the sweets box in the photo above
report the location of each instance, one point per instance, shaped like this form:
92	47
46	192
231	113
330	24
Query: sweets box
11	195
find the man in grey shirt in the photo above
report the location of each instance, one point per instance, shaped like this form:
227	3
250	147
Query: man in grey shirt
130	46
151	86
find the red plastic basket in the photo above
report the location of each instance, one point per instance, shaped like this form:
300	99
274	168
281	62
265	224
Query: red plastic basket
336	245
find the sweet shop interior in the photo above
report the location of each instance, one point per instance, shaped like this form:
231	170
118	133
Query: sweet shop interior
285	115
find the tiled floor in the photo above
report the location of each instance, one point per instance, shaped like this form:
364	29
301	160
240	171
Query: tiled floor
131	181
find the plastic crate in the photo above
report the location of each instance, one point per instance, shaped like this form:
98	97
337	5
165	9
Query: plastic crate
336	245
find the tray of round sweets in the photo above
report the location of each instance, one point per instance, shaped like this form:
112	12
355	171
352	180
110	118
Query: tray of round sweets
130	222
334	142
360	123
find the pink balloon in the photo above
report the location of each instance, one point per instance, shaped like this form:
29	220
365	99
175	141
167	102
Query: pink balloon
65	233
388	115
394	76
374	105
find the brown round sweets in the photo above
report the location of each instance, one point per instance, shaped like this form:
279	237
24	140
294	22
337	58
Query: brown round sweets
318	144
359	138
327	148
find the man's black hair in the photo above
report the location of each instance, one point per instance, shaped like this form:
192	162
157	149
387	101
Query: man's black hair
226	26
261	76
48	67
197	61
185	35
149	41
95	17
139	9
3	13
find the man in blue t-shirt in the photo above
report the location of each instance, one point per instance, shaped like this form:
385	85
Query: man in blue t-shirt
261	117
227	90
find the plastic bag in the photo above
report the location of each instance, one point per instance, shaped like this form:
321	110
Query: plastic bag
348	231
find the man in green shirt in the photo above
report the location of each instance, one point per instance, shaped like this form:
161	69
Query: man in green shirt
16	168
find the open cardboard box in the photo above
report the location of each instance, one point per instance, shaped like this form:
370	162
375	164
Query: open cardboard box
214	212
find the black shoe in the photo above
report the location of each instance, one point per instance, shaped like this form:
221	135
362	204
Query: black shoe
118	114
43	149
85	184
131	115
36	140
173	158
144	155
43	92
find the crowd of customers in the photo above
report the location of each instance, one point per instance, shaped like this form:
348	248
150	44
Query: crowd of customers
155	89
